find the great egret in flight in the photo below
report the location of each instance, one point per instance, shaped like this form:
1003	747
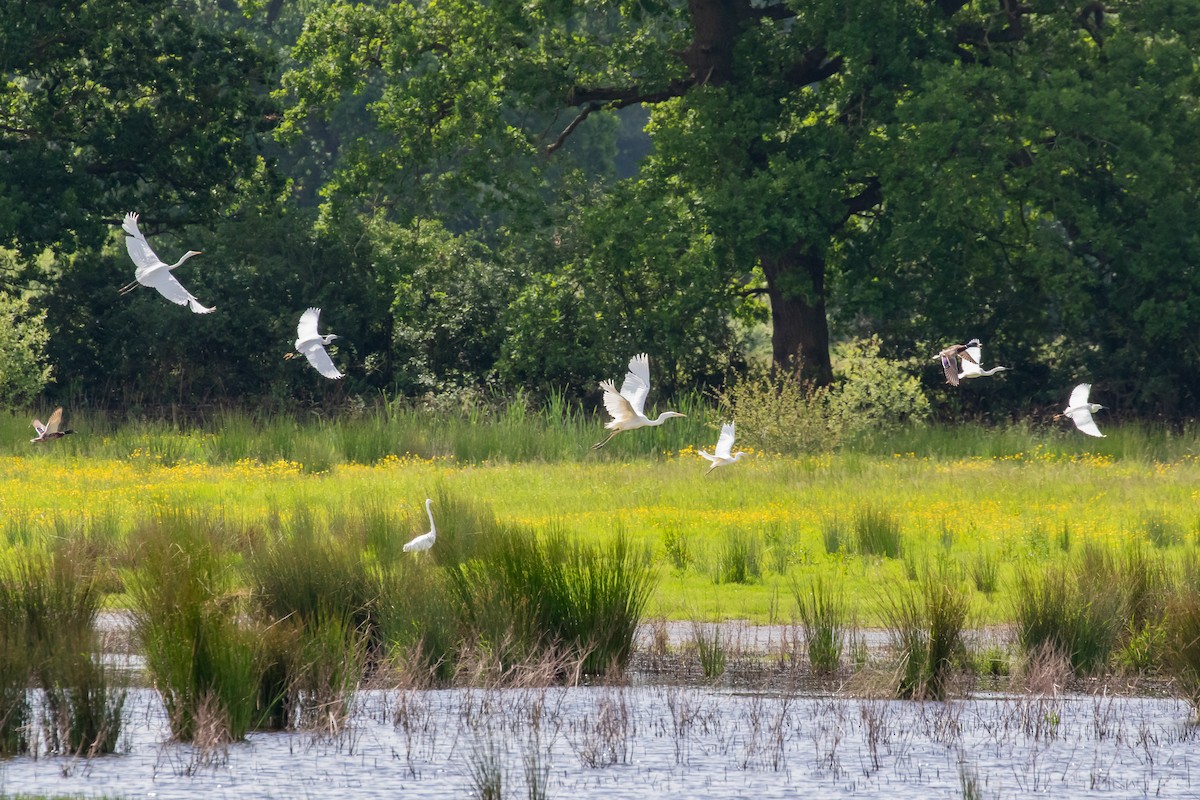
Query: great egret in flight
721	455
1080	410
626	406
425	540
950	356
51	429
311	344
974	369
152	271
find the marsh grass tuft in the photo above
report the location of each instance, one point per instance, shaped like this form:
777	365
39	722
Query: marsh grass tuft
926	626
824	617
709	649
739	559
877	533
200	654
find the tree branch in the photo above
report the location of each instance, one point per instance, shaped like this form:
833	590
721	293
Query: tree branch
567	131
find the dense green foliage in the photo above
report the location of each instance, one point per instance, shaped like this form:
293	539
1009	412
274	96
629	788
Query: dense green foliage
508	196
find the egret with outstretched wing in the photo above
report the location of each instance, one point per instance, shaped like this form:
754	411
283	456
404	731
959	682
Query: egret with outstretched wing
974	368
311	344
1080	410
627	406
152	271
722	453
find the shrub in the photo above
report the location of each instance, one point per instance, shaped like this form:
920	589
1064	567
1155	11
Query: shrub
23	338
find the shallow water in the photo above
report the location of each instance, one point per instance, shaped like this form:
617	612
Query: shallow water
672	742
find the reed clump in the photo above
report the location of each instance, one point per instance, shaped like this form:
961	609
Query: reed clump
926	626
825	617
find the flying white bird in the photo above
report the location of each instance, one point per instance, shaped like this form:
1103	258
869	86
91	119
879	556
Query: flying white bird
952	355
152	271
974	369
1080	410
425	540
51	429
626	406
311	344
721	455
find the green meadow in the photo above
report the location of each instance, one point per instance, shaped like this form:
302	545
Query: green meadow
978	505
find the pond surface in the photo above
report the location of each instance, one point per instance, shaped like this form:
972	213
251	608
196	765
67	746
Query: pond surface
634	742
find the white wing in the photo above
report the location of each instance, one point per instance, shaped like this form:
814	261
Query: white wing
1079	396
707	455
136	244
636	387
168	287
39	427
1083	420
725	442
307	329
968	369
616	404
52	424
317	356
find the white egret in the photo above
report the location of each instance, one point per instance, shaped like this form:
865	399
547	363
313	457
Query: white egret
950	356
311	344
425	540
721	453
974	369
154	272
1080	410
626	406
51	429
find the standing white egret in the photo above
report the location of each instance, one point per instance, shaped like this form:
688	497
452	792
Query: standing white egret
51	429
626	406
154	272
311	344
1080	410
950	356
974	369
425	540
721	453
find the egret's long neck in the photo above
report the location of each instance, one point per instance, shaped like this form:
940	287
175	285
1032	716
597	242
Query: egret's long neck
661	419
184	258
429	511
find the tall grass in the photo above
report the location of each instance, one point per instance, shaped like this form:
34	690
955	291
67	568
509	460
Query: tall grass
825	618
1055	613
926	626
877	533
202	657
49	602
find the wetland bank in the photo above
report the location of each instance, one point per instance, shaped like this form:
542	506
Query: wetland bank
571	630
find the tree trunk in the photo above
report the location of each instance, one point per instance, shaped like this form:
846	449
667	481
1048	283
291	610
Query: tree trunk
799	329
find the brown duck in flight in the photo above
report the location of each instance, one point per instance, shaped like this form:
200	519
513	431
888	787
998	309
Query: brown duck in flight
950	356
51	429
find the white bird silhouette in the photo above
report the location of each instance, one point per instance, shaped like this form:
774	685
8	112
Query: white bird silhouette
51	429
425	540
311	344
1080	410
626	406
974	369
154	272
721	453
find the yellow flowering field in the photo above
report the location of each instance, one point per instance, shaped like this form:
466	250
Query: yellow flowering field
951	513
